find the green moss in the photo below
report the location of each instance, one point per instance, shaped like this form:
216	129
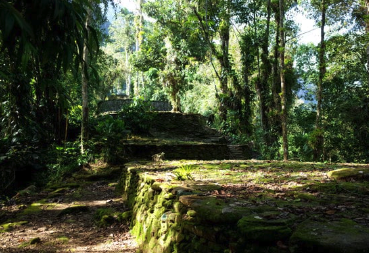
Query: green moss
258	229
335	236
345	173
104	217
178	207
35	240
125	216
33	208
303	196
6	227
191	213
203	219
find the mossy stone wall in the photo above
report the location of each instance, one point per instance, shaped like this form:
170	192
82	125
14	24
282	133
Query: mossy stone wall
176	216
172	217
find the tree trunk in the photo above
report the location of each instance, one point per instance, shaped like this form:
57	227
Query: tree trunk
259	87
139	38
318	146
263	80
139	25
84	125
367	32
128	74
283	84
224	62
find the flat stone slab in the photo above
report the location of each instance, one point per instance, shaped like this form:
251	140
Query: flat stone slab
343	236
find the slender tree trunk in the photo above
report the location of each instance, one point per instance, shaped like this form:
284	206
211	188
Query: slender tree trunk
265	73
283	83
224	61
84	125
318	148
139	37
128	74
139	25
260	88
275	71
276	85
367	32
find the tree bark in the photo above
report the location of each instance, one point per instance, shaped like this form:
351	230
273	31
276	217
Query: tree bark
367	32
318	146
259	87
139	37
283	84
84	124
224	61
263	80
128	74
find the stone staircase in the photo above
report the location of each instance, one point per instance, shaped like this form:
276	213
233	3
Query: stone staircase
184	136
237	152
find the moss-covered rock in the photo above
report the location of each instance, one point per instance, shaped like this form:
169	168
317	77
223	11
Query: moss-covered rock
125	216
347	173
218	212
256	228
35	240
344	236
9	226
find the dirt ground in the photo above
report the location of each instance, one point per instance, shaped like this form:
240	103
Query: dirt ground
39	226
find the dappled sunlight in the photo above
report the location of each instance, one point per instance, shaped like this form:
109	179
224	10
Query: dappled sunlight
66	221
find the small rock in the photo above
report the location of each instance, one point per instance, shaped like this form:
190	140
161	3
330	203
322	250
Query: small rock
35	240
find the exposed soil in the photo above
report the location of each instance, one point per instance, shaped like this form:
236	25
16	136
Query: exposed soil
47	229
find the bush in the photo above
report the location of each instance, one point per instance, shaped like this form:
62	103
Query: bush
137	116
110	132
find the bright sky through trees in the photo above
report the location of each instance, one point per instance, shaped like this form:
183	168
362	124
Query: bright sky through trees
309	32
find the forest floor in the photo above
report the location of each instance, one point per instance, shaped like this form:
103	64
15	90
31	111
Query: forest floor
84	213
82	216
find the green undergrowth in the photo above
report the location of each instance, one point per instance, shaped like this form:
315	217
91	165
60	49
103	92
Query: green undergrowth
104	217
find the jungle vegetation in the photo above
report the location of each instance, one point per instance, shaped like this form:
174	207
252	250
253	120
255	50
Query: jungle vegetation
239	62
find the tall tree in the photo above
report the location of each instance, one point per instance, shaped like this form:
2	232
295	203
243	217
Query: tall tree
283	82
85	68
214	18
326	12
182	47
35	34
121	46
318	149
367	32
139	24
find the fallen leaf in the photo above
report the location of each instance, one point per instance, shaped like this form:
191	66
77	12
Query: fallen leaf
330	212
281	245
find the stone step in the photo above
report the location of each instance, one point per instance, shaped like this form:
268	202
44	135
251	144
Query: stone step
236	152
